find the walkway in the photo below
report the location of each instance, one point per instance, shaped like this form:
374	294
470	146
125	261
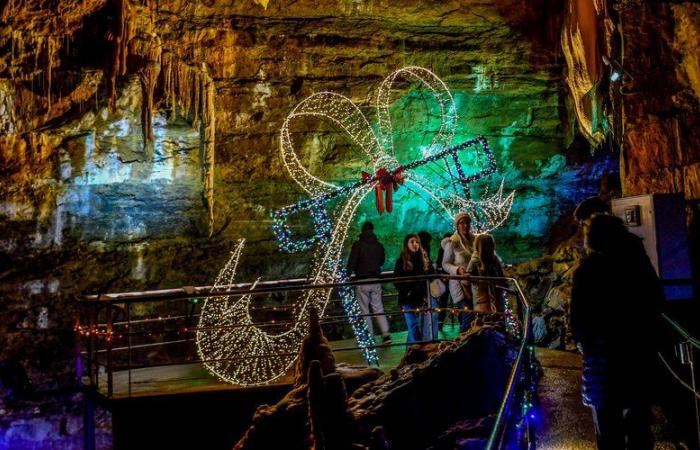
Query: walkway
194	377
566	424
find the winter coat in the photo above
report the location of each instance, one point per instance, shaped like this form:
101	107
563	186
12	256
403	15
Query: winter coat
615	305
487	298
412	293
456	256
366	256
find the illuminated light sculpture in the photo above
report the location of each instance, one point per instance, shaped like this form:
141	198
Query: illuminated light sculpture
244	354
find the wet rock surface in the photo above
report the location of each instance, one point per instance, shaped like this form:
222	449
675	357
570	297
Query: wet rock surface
416	403
446	401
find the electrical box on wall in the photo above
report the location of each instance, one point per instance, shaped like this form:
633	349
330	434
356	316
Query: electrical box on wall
659	219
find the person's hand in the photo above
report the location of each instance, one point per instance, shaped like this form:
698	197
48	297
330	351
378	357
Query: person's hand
461	270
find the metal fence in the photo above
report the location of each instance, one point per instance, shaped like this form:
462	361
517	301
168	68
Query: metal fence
123	332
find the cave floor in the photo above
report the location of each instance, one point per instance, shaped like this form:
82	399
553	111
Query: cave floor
565	423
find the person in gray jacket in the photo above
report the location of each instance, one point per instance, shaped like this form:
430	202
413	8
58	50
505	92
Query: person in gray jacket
458	252
366	260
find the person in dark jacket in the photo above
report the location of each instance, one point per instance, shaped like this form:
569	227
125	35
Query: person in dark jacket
458	252
615	305
366	260
412	294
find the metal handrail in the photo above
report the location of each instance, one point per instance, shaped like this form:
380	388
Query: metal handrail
692	343
680	330
263	287
496	436
260	288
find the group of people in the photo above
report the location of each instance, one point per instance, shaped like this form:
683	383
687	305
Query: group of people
615	301
461	253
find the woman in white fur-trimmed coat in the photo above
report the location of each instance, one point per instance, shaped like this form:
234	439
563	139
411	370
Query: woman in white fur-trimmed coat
458	252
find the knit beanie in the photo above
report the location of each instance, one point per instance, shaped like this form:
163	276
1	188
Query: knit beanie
460	216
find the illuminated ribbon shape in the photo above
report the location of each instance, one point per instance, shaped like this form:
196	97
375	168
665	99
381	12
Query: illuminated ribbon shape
269	356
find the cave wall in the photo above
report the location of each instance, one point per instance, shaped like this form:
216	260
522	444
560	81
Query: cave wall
661	149
86	206
661	100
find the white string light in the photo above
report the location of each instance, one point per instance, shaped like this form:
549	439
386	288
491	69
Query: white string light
228	331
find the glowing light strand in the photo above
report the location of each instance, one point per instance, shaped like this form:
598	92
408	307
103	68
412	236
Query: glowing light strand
232	347
271	355
337	109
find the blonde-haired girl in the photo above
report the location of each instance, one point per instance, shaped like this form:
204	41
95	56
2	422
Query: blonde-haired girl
485	263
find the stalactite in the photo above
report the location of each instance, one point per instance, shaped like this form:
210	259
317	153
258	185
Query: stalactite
191	92
129	33
207	141
124	32
39	43
581	48
196	99
51	48
146	53
166	70
185	92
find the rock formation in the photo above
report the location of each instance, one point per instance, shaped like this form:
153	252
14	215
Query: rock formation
450	397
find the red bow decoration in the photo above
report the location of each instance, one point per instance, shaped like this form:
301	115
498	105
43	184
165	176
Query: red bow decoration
388	182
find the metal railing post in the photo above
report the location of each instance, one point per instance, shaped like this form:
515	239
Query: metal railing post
89	420
429	312
108	340
695	398
128	343
92	346
684	352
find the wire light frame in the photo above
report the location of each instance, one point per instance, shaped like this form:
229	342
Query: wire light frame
332	208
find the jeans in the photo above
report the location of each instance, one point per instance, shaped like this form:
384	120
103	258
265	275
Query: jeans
430	322
370	295
442	302
412	324
465	318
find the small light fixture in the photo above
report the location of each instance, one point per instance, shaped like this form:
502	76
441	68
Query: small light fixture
616	69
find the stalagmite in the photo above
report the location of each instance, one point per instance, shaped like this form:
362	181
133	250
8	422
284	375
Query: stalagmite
314	348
